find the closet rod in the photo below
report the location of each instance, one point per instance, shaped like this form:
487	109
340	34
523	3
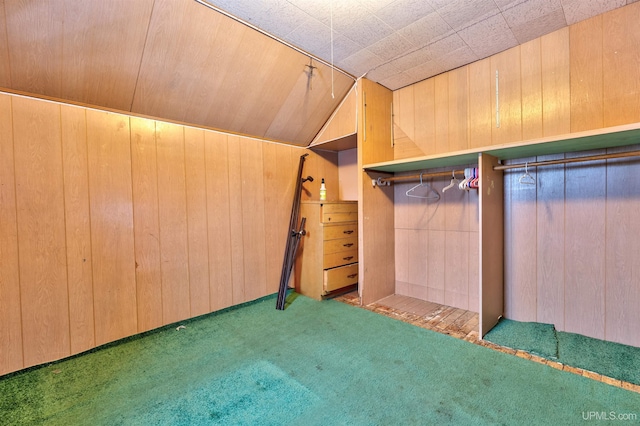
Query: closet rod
569	160
423	175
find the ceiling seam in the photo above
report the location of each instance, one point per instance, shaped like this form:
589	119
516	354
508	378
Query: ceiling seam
144	49
253	27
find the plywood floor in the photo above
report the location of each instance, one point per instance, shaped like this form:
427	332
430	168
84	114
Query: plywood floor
460	324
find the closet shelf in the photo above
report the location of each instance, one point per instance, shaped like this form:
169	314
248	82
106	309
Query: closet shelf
608	137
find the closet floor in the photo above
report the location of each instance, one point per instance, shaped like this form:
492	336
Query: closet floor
460	324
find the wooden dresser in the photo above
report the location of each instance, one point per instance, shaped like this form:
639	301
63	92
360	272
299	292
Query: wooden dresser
327	258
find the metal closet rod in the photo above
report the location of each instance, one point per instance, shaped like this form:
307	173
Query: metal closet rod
423	175
569	160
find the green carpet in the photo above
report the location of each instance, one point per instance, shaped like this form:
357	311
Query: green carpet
316	363
608	358
533	337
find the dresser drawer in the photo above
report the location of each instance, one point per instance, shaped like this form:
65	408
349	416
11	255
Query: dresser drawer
340	277
340	258
341	244
340	231
339	212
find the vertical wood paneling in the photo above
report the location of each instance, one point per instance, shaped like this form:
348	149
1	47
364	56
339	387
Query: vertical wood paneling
550	225
10	315
585	43
509	127
520	240
172	202
436	266
480	103
585	249
112	239
5	71
196	185
441	105
78	228
404	112
456	276
556	99
424	110
41	230
234	157
279	178
622	295
218	218
253	223
531	69
621	49
144	171
459	109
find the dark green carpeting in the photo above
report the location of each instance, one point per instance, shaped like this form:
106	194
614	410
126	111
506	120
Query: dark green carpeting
608	358
316	363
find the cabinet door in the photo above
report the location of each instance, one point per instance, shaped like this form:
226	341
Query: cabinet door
507	105
374	135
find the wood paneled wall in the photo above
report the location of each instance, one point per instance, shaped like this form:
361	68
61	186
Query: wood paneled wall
436	244
571	244
579	78
112	225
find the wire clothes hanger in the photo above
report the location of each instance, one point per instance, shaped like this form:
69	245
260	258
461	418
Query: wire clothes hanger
432	194
526	178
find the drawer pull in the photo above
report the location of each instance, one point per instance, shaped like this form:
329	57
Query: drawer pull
348	232
347	258
352	275
347	245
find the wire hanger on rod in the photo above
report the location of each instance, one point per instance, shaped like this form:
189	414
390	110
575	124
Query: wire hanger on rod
435	195
526	178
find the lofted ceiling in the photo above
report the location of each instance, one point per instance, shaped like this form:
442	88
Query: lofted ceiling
218	63
176	60
400	42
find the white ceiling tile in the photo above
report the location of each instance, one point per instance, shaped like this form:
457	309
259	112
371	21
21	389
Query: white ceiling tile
391	47
383	72
401	13
463	13
459	57
397	81
490	36
360	62
540	26
375	5
413	59
342	47
278	18
367	31
508	4
445	45
526	12
579	10
426	70
426	30
311	35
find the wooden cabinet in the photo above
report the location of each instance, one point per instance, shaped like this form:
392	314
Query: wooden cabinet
328	254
